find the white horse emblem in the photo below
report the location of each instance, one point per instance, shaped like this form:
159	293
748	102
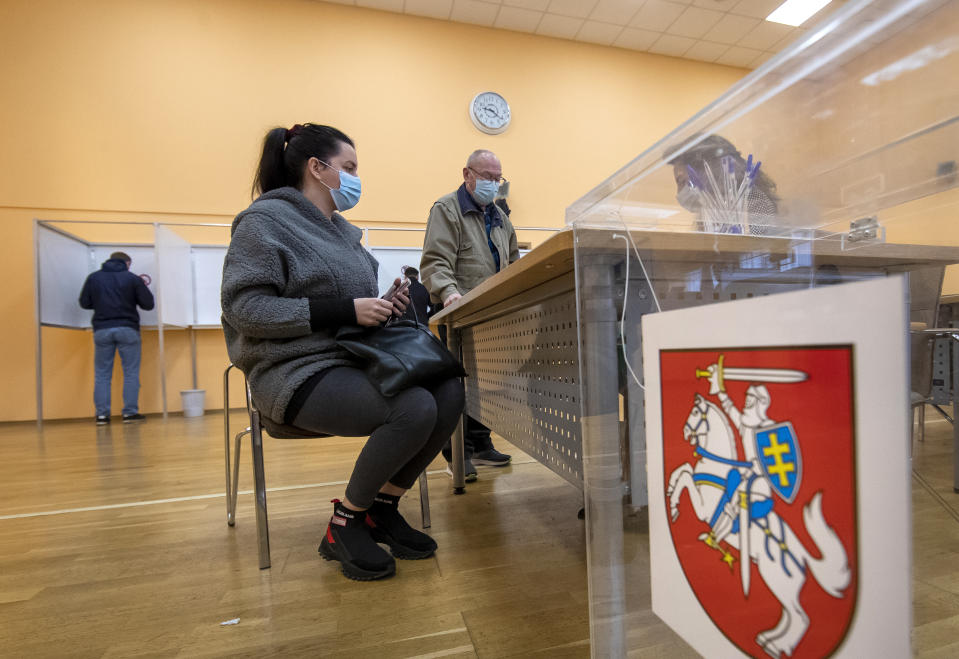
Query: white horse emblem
733	498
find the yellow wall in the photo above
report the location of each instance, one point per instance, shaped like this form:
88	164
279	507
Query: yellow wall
153	111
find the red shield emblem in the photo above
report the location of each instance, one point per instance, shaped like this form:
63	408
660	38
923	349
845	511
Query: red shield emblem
733	421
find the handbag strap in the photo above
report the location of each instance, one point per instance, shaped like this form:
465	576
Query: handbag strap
416	316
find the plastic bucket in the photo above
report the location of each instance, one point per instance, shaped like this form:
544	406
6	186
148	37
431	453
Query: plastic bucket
193	401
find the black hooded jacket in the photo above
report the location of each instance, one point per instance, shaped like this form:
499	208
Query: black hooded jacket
419	307
113	292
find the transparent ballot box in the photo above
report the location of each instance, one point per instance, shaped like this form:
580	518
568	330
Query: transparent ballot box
833	165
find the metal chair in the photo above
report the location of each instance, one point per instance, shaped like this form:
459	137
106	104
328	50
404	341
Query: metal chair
280	431
918	404
925	288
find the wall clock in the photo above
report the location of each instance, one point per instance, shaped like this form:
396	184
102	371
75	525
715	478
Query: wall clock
490	112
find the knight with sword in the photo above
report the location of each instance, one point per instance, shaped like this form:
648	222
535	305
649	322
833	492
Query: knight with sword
748	492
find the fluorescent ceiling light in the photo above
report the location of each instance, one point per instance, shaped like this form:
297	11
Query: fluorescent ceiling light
795	12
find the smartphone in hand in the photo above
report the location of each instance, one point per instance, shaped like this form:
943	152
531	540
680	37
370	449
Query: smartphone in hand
394	289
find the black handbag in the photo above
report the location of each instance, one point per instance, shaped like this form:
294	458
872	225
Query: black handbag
399	355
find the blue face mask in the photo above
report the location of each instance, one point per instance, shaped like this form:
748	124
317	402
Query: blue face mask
485	191
347	195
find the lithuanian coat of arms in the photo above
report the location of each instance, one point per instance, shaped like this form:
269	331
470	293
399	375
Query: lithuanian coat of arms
759	466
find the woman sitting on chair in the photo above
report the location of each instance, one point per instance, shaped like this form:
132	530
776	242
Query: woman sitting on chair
295	271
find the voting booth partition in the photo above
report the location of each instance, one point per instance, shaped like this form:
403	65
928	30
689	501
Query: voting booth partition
181	265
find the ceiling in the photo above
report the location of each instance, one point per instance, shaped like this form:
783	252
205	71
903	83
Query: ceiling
731	32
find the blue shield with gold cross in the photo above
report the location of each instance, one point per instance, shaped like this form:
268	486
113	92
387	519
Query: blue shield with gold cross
778	449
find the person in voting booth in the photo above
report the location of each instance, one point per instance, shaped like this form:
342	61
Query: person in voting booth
469	238
114	293
728	193
294	273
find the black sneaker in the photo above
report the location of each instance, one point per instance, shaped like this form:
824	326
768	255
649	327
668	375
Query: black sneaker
388	526
103	420
491	458
133	418
470	471
348	540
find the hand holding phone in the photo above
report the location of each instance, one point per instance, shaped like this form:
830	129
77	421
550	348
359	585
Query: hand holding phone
397	287
399	297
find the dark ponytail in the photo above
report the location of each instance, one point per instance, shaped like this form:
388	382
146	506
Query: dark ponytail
286	151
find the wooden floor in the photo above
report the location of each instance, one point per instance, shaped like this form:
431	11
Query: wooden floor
114	543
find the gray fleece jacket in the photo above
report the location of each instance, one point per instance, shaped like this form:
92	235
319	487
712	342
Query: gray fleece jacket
284	253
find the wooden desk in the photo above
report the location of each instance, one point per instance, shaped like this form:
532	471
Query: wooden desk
532	335
518	339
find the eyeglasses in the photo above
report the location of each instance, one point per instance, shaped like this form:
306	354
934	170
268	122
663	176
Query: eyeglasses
487	177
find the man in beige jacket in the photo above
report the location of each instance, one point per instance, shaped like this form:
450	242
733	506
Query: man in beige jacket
469	239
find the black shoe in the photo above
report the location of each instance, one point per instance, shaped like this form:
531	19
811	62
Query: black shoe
388	526
348	540
491	458
469	471
103	420
133	418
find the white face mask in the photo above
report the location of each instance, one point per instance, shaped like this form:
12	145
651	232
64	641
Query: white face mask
689	198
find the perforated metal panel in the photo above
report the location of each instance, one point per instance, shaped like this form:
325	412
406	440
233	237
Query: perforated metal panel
524	380
941	393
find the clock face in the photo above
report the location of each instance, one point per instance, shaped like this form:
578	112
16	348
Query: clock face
490	112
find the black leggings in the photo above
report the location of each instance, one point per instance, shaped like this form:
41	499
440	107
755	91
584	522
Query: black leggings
406	431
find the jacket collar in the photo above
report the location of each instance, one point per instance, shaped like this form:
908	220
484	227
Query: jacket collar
114	265
282	200
466	201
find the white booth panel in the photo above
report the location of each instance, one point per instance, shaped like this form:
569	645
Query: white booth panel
207	277
62	266
175	278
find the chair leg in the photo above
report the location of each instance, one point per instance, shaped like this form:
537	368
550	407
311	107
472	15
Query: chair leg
230	495
259	487
230	484
232	489
424	500
922	422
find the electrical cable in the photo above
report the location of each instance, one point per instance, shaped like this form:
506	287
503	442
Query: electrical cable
622	320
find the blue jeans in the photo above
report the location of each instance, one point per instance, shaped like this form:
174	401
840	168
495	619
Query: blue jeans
108	341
